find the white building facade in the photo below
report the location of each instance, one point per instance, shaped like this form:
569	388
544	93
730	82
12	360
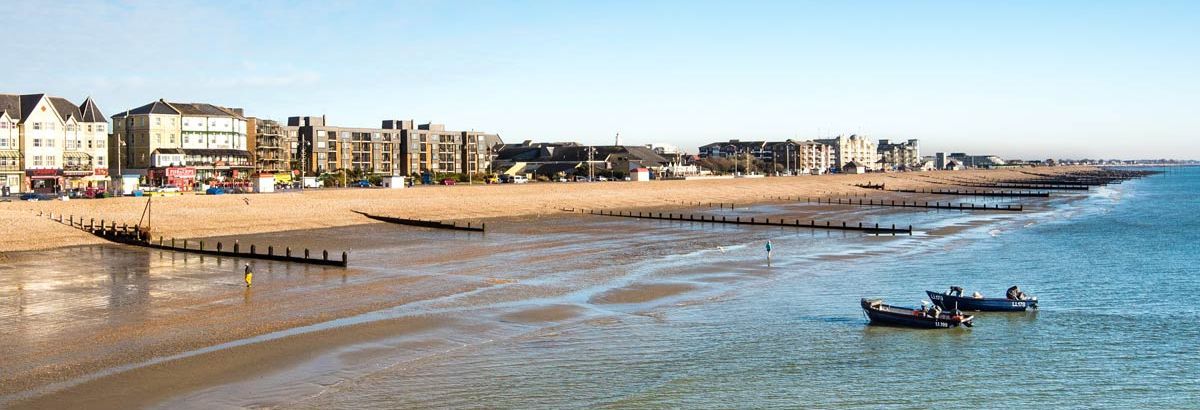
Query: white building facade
50	145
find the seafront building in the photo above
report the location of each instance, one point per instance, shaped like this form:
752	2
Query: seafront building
271	145
398	147
901	155
802	157
50	145
854	148
184	142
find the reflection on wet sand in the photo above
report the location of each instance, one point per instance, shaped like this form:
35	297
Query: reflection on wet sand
408	295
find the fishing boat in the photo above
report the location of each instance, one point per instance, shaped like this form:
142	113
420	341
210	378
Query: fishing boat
925	318
955	300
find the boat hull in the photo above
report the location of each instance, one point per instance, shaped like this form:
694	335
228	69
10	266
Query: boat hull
946	301
902	317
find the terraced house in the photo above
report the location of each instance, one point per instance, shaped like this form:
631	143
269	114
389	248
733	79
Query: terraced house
204	140
50	145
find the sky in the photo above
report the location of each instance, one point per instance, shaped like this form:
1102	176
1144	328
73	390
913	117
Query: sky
1019	79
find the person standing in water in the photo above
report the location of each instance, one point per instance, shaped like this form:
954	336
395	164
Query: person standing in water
249	276
768	253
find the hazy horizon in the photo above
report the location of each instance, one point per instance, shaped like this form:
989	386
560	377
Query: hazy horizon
1015	79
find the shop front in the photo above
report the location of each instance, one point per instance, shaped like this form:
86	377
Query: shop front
44	181
182	177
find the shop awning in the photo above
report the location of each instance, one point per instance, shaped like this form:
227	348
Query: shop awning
10	154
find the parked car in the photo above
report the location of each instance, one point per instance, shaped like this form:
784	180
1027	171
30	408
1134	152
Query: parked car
448	181
34	196
601	179
168	188
215	191
519	179
362	184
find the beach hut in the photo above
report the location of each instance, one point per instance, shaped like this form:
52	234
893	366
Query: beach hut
854	167
393	181
639	174
264	182
953	165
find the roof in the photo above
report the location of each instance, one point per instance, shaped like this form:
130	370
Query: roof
736	143
519	153
554	168
66	109
175	108
855	164
91	113
11	104
204	109
28	103
178	151
157	107
632	153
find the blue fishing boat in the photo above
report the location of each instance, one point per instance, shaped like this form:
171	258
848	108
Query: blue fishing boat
1016	301
925	318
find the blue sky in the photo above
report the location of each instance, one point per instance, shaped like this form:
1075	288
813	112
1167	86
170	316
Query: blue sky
1018	79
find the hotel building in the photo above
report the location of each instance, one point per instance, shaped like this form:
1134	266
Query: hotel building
396	148
199	139
50	145
854	148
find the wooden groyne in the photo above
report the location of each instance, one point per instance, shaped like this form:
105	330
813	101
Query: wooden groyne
904	204
426	224
1008	185
869	185
721	205
754	221
1029	194
138	236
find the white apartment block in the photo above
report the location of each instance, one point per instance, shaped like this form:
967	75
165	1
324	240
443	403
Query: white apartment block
50	145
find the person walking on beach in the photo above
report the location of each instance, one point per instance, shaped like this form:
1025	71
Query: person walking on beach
249	276
768	253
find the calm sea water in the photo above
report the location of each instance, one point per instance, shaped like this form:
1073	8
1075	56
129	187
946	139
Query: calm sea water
1116	273
654	314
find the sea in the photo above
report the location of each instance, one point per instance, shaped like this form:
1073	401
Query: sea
604	312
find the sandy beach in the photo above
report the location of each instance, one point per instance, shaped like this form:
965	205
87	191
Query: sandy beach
198	216
99	308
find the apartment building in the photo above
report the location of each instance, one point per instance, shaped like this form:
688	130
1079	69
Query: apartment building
50	145
856	148
270	145
802	157
397	148
900	155
204	139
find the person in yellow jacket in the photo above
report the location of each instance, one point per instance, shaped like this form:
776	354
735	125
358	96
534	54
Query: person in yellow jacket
249	276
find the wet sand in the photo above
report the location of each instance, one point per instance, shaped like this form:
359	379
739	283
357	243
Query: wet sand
196	216
114	306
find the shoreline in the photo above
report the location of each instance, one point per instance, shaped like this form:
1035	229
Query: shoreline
420	289
201	216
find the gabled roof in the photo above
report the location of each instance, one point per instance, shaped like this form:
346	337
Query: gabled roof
11	104
91	113
157	107
28	103
66	109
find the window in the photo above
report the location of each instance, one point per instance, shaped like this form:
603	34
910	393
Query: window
50	160
37	142
186	139
3	142
158	121
100	161
37	160
100	128
37	125
172	136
